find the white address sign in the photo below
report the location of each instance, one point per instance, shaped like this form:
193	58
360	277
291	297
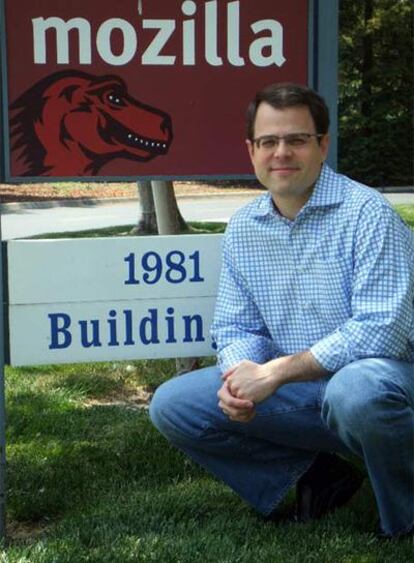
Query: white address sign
77	300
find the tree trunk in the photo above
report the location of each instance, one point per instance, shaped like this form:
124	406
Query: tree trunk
147	223
169	218
171	222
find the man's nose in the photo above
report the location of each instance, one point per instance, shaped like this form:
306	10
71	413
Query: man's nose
282	148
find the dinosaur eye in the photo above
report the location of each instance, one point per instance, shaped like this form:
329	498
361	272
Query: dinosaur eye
115	99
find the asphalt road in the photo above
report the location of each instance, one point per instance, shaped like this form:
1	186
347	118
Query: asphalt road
20	221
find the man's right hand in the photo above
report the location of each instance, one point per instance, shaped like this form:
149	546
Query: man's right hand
239	410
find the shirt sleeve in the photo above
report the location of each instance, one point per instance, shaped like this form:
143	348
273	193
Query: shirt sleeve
382	300
238	328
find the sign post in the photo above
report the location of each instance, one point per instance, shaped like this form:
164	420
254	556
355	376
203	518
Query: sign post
2	320
2	402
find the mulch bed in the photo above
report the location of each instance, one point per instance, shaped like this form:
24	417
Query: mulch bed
46	192
104	190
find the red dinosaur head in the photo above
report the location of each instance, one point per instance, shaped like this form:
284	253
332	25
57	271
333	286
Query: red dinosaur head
72	123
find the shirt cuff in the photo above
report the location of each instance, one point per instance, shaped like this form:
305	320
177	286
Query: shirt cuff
243	350
332	352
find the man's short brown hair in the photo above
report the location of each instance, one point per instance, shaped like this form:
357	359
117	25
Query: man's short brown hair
286	95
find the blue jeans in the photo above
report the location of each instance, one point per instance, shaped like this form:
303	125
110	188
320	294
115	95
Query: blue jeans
366	408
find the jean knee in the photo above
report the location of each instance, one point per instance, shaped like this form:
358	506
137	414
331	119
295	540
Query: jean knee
358	401
180	407
161	403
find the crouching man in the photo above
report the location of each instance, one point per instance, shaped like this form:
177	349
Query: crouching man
314	326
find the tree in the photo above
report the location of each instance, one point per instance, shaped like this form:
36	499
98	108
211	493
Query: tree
161	215
147	222
166	212
170	222
169	218
375	91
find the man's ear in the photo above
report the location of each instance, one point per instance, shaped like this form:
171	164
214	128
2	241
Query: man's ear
250	148
324	146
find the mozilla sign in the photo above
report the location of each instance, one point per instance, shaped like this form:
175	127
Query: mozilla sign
143	88
263	51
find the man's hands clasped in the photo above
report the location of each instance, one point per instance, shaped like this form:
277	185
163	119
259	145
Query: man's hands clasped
248	383
244	385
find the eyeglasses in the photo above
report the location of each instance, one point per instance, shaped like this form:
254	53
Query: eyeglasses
269	143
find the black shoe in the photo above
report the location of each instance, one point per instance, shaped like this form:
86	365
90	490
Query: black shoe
285	515
328	484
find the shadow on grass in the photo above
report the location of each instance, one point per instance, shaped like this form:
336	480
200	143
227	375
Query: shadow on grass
194	228
63	451
61	456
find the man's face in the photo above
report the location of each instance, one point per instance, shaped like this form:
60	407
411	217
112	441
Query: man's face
287	171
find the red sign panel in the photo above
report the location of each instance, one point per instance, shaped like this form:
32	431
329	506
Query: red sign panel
143	88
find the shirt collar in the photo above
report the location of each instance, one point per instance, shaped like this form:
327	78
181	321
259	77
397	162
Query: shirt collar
264	206
328	191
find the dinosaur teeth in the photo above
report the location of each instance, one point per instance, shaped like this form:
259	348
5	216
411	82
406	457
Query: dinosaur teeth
145	147
145	142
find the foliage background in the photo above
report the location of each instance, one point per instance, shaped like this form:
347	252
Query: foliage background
376	91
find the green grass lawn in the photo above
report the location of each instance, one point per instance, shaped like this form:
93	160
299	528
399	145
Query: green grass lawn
90	479
407	213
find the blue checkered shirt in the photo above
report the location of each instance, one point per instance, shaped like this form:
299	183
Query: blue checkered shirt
338	280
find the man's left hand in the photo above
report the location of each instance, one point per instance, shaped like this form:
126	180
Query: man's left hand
251	381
